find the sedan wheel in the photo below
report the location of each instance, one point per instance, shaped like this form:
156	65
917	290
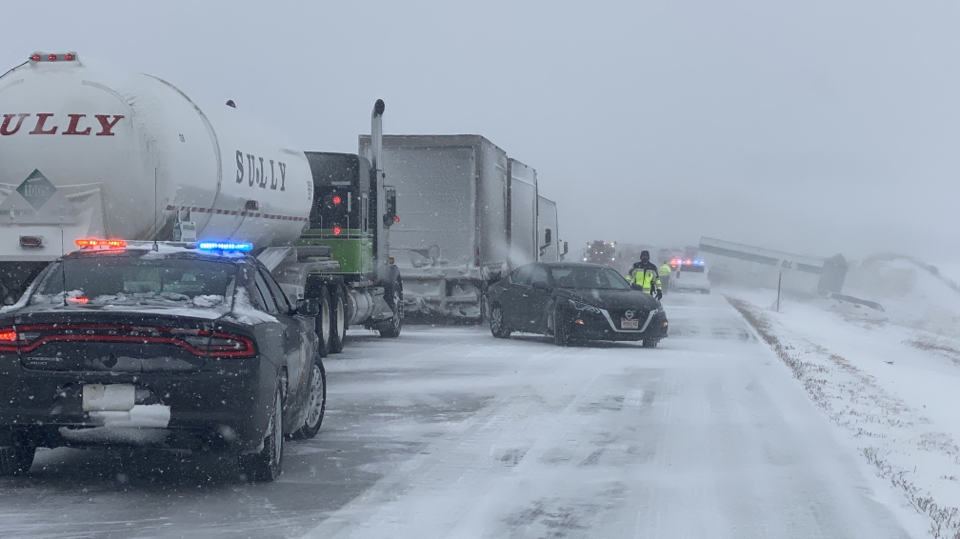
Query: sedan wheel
497	327
316	403
266	465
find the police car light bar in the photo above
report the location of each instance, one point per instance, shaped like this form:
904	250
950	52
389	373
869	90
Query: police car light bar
225	246
96	243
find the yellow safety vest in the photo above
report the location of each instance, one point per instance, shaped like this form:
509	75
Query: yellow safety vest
646	279
664	270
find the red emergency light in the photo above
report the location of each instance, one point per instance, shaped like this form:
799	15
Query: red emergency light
8	335
96	243
53	57
337	200
82	300
337	230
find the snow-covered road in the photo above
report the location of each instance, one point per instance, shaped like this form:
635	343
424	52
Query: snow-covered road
448	432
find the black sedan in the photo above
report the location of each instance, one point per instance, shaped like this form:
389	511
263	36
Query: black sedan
574	302
161	345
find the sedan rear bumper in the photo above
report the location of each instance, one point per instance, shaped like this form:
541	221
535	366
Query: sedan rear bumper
228	405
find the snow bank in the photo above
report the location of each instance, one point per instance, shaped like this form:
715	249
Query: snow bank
914	294
889	386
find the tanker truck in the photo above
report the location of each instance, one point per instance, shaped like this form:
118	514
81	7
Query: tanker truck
86	151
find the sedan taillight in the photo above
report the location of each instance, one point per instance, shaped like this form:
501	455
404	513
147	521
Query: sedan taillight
202	343
220	345
8	340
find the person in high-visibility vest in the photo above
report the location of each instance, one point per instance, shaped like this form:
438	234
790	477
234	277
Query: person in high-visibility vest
664	270
644	275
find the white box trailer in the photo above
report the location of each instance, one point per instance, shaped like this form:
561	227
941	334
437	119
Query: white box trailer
523	213
453	236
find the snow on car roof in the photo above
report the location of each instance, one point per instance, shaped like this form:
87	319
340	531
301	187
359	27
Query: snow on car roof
161	249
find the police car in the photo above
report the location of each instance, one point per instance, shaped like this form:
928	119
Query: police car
161	344
689	275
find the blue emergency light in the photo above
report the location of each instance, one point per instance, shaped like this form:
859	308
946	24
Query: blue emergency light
225	246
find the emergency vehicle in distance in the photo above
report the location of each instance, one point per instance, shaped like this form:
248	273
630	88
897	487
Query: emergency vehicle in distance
600	252
689	275
87	152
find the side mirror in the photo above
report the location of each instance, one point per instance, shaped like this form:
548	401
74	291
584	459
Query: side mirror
308	307
566	248
390	207
547	237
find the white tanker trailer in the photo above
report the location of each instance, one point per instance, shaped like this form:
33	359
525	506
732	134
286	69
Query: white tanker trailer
89	152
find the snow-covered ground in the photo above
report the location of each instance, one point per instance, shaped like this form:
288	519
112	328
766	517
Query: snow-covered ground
886	378
448	432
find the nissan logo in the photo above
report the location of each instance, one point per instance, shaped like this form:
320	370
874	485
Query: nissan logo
628	314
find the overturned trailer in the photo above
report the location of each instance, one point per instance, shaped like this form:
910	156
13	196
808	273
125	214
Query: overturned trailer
748	265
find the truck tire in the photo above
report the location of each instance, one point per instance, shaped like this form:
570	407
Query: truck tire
393	293
267	464
338	321
561	327
316	402
498	328
484	307
323	322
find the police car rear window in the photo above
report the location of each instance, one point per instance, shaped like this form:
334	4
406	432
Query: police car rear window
136	281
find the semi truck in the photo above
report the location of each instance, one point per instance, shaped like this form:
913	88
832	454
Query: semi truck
469	216
547	223
87	151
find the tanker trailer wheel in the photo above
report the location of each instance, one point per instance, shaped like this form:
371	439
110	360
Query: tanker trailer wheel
323	322
393	293
338	320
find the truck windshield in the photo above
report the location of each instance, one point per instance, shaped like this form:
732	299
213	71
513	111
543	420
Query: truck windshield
128	280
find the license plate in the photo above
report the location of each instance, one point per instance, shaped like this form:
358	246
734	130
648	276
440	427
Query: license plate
629	323
108	397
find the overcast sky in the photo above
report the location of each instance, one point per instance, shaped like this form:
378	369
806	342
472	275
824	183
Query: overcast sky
821	126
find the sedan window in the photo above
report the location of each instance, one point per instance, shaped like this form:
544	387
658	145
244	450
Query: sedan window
587	277
539	275
523	275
